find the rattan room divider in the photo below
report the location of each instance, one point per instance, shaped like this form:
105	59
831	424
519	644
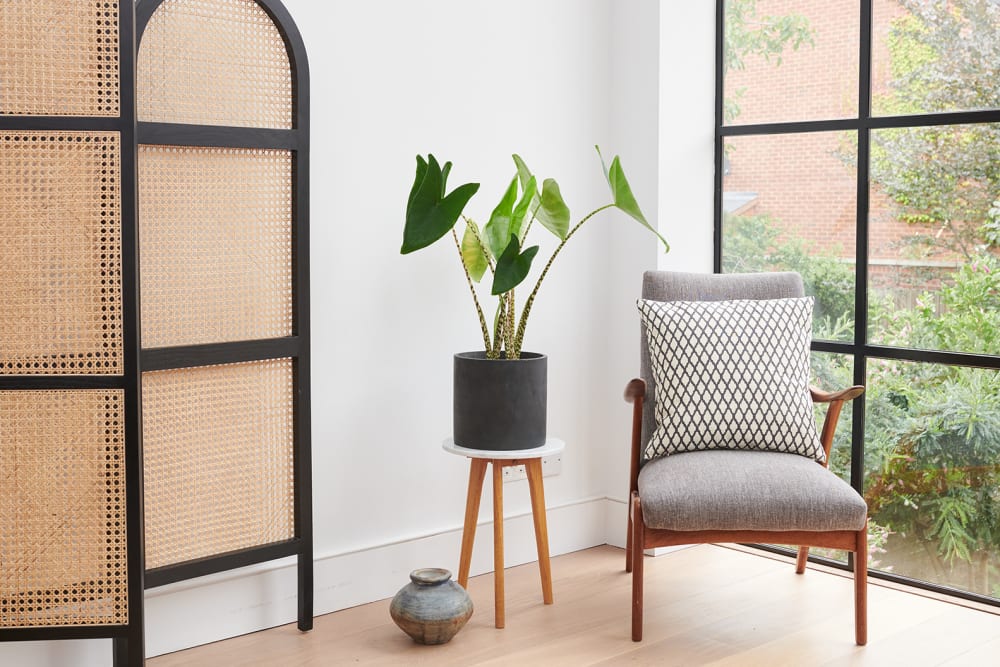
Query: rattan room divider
191	152
71	555
223	130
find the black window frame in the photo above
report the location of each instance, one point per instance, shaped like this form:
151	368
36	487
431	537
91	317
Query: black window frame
859	349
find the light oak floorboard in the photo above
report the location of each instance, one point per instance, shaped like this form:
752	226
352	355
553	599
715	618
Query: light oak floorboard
706	605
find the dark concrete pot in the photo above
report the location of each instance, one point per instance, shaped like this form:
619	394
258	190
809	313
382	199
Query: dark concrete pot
500	404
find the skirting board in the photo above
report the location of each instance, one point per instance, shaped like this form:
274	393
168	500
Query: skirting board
616	528
238	602
226	606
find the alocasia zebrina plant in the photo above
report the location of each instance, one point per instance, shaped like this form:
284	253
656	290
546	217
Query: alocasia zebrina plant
499	247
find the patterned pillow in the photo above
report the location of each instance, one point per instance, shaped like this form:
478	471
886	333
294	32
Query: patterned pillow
731	375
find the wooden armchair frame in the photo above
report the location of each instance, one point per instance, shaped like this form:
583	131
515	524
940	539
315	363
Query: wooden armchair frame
640	537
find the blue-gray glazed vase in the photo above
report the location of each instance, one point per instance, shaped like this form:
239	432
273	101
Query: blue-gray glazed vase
431	608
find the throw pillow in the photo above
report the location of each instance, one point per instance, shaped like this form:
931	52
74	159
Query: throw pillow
731	375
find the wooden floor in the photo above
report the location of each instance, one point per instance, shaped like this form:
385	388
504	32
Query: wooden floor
704	605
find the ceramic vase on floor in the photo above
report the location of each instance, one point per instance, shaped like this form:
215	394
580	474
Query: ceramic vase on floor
431	608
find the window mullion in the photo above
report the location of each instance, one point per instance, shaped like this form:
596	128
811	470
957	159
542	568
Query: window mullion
861	243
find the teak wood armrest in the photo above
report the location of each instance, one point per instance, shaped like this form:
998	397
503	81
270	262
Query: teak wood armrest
836	399
820	396
635	392
636	388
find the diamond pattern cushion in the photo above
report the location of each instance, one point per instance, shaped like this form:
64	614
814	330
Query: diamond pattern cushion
731	375
737	490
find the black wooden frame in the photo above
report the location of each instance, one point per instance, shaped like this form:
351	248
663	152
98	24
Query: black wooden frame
859	349
297	346
127	640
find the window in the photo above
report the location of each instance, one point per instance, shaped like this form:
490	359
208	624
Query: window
858	143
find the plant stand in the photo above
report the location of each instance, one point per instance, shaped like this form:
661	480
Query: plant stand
531	459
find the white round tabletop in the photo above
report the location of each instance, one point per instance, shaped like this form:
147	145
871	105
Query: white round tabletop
551	446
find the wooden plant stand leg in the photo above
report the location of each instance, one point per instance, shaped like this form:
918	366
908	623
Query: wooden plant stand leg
498	593
534	470
477	473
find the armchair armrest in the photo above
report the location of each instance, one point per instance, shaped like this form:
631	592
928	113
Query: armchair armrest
836	399
820	396
636	388
635	393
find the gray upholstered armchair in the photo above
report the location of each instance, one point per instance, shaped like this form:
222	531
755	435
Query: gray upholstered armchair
726	495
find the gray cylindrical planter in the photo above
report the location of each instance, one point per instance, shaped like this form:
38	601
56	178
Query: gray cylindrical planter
431	608
500	404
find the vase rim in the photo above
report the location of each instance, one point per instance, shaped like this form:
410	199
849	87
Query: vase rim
430	576
479	355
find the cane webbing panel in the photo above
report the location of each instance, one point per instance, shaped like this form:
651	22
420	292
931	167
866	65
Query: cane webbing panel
218	458
214	62
59	58
60	278
62	508
216	245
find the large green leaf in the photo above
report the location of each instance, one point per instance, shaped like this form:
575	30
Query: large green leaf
621	191
430	214
553	212
497	230
530	194
525	176
512	267
473	253
417	181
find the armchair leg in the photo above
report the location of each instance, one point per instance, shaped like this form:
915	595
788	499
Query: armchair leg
628	543
638	535
801	560
861	589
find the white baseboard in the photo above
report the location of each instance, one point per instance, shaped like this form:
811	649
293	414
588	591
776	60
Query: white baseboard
616	528
229	604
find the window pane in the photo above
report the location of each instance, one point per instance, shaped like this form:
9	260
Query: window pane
931	57
932	461
934	234
790	204
790	60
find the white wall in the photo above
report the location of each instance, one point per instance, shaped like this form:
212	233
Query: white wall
663	121
471	81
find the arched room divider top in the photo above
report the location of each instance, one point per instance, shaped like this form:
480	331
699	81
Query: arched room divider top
222	108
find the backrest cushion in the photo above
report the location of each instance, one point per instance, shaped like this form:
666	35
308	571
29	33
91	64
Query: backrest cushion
685	286
731	375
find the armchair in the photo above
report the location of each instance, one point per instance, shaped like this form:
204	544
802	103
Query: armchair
725	495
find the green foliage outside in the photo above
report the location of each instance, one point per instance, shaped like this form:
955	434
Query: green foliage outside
932	445
944	180
750	33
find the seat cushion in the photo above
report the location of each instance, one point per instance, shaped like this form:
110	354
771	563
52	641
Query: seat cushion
746	490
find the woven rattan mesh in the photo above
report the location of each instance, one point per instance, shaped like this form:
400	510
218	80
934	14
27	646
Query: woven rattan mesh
62	509
60	278
59	57
215	240
217	449
214	62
